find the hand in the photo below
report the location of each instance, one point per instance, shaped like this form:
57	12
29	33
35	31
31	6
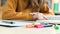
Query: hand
38	16
41	16
35	15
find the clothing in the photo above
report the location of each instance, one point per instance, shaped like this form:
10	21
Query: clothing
15	10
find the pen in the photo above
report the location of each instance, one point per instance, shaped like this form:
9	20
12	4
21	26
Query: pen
8	22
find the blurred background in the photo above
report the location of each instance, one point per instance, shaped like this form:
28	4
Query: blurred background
53	4
0	11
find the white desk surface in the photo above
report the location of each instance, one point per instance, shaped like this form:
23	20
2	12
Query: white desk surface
21	30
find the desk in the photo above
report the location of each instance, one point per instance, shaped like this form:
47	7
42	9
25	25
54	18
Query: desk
22	30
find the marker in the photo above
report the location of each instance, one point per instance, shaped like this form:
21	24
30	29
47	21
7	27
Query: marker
39	26
56	27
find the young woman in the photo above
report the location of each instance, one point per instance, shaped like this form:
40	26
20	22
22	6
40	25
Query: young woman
21	9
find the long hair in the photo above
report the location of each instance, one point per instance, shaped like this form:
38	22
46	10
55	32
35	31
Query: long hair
44	9
35	5
38	6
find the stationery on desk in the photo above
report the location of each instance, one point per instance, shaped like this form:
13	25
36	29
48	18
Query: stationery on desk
15	22
50	21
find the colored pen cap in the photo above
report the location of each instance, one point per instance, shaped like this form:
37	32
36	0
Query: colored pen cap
36	23
29	26
39	26
57	27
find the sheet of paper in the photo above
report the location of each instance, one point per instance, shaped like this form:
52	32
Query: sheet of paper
49	21
56	17
16	22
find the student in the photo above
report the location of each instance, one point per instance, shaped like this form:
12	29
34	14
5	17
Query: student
21	9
